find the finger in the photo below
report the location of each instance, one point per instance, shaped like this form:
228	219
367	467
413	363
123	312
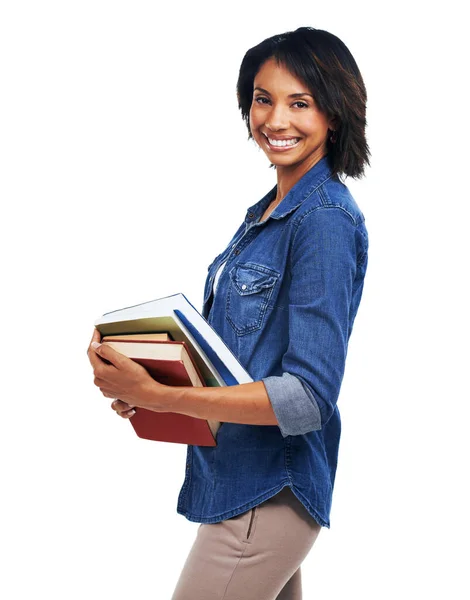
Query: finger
107	353
127	414
123	410
94	359
107	393
119	405
95	338
104	386
91	352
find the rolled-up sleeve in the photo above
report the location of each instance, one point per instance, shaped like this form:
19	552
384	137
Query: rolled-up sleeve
323	268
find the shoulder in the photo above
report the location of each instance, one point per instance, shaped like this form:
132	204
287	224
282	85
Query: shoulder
331	199
331	219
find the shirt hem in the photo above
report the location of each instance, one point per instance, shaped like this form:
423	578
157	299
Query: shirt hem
236	511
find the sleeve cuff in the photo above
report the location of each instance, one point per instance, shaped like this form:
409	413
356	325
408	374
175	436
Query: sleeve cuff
295	407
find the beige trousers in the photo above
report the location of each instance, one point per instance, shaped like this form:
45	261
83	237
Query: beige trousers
252	556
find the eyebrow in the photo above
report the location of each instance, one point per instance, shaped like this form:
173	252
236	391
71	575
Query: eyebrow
290	95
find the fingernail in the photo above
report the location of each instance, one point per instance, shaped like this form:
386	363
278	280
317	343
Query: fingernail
131	413
95	345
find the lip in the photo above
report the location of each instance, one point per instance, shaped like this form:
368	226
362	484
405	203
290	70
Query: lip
281	148
279	138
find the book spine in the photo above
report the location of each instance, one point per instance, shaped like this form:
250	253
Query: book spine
226	375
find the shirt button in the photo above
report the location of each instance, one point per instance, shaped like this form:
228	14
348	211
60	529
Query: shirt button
251	215
243	287
237	251
233	245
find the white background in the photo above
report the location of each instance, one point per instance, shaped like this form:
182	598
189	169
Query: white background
125	169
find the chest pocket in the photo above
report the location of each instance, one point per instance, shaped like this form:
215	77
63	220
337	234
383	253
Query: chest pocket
250	289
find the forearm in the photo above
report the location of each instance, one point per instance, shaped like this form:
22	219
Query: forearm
246	403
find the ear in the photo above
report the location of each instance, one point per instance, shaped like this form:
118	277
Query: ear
333	123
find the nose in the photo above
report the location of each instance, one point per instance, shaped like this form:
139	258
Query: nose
277	119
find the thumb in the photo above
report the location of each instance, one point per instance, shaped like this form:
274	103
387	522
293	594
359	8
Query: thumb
108	353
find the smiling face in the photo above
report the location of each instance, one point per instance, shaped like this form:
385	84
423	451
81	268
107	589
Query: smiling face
285	121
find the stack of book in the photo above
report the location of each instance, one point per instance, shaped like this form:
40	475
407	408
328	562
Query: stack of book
177	347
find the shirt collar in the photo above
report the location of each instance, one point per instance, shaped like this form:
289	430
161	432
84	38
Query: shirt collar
307	184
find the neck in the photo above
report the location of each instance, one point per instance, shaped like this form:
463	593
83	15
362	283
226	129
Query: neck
287	177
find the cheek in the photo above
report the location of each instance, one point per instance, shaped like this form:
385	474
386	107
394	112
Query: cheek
308	129
255	120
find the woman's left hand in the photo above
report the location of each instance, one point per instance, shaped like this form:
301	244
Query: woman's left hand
123	379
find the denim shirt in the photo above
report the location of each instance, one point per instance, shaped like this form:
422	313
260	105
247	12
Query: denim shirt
285	305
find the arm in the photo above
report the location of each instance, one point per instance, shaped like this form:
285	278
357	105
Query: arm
324	262
246	403
121	378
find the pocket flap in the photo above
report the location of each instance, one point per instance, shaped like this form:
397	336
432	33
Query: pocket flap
252	279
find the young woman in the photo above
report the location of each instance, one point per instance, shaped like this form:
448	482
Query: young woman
283	295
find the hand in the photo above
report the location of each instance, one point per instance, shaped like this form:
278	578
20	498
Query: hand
123	409
121	378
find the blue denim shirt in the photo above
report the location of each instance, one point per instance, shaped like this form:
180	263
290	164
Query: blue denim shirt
285	305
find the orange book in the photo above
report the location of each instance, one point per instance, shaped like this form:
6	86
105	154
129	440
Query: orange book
170	363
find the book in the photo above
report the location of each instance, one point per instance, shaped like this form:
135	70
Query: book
156	337
168	362
217	365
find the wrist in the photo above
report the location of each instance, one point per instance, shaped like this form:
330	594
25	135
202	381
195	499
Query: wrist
158	397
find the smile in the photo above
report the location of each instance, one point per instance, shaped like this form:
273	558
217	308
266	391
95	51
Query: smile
286	144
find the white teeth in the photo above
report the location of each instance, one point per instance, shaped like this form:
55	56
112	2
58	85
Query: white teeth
291	142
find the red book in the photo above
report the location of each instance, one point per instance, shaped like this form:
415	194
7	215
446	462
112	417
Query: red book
170	363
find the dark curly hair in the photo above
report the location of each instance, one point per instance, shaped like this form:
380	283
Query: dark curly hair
326	66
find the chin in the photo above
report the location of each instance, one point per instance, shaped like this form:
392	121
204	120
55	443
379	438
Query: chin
284	161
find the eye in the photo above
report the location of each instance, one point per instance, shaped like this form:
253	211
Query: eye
264	100
304	104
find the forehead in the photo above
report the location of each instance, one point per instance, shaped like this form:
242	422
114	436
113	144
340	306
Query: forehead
276	77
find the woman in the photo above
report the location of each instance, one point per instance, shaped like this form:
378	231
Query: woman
288	287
